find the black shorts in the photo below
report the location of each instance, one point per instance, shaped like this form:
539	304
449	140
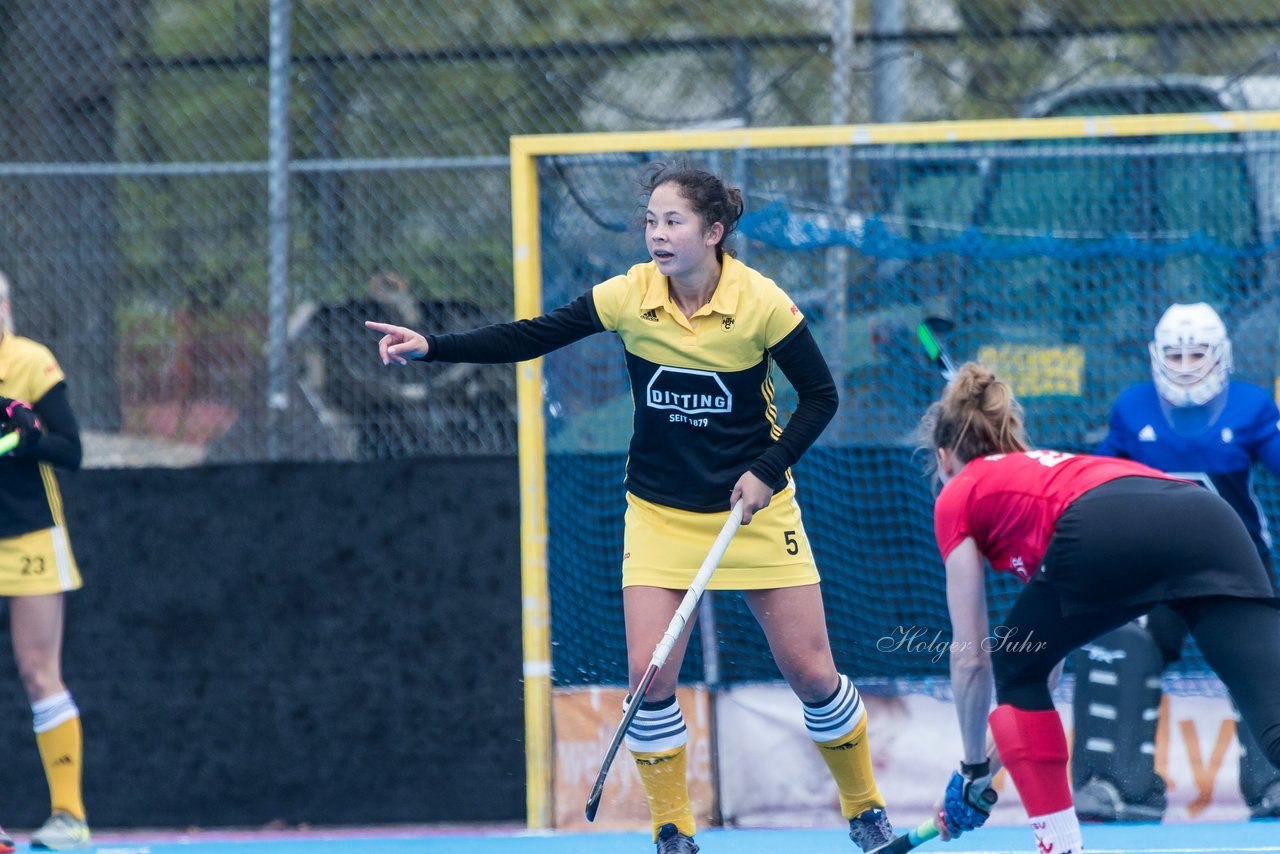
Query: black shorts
1146	540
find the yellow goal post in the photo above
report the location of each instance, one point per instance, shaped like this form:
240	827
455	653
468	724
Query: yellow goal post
525	152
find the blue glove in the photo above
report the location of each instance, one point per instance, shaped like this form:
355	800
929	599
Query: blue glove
969	798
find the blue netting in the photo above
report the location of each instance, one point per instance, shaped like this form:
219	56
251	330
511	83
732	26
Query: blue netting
1053	259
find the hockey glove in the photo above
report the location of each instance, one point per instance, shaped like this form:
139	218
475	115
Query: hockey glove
969	798
18	416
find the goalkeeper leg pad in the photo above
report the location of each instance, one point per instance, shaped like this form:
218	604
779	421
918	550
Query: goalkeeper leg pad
1116	709
1259	779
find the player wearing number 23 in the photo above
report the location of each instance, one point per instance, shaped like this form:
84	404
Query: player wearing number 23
1098	542
37	566
701	333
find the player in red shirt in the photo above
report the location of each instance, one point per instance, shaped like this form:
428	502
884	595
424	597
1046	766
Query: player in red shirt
1098	541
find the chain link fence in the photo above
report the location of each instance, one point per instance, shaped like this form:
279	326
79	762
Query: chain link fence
202	198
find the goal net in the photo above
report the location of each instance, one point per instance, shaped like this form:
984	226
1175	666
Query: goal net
1052	246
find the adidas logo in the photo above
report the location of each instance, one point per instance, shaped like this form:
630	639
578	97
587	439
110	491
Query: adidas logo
1147	434
657	760
650	315
63	760
849	745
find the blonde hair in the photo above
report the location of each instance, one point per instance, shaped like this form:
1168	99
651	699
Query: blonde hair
977	415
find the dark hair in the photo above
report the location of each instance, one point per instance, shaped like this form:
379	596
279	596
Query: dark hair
976	416
712	200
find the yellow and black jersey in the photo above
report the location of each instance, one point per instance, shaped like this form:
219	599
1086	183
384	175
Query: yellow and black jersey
29	495
702	385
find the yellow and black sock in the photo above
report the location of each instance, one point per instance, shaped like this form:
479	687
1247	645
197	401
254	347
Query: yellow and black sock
838	726
60	741
657	738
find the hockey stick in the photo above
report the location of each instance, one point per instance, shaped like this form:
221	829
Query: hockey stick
925	831
8	442
674	628
928	331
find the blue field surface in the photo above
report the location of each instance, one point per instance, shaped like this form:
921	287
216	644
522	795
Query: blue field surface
1201	838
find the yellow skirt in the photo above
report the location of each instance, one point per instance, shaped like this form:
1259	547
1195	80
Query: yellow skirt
38	562
665	547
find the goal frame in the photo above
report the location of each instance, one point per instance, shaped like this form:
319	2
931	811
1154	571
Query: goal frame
527	276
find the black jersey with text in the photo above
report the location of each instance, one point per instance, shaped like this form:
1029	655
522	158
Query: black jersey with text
702	386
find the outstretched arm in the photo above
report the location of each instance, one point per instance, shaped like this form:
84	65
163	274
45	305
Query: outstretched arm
398	344
495	344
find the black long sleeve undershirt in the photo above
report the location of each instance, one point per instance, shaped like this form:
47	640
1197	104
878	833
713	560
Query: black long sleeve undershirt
797	355
805	368
518	340
60	444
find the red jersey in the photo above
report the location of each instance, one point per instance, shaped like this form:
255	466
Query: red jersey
1010	503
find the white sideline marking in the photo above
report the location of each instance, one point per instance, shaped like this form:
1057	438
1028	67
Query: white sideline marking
1212	849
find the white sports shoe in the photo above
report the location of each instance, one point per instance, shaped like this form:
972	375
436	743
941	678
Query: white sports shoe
62	832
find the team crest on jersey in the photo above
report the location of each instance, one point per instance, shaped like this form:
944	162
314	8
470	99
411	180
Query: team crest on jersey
1228	436
688	390
651	315
728	324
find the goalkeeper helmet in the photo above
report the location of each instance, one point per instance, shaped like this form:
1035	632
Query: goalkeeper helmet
1190	355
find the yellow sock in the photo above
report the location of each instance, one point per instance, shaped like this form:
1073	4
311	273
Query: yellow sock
61	751
667	787
849	758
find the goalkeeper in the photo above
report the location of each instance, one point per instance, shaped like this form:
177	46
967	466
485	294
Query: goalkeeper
1098	541
1194	421
701	332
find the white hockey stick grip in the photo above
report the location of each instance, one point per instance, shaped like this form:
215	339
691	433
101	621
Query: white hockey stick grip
694	593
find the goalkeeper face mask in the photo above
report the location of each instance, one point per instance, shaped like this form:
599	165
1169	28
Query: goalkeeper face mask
1190	355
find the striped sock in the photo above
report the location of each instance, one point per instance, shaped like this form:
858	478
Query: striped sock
838	726
657	738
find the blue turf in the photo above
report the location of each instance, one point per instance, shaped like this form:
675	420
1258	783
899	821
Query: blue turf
1203	838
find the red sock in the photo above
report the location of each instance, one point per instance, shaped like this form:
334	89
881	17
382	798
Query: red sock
1033	747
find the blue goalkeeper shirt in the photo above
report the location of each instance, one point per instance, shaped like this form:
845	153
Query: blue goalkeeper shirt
1220	457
